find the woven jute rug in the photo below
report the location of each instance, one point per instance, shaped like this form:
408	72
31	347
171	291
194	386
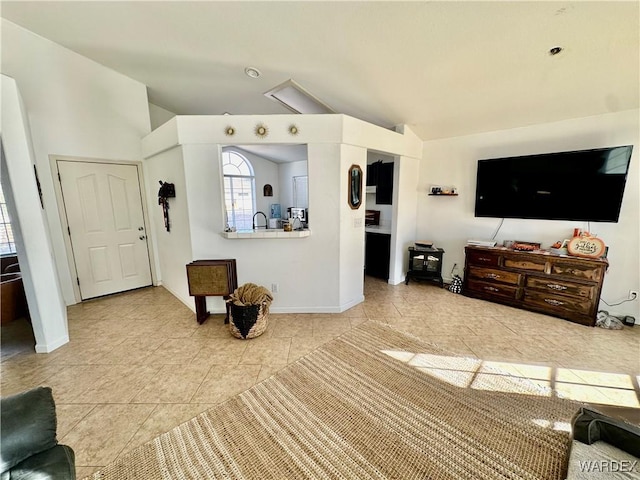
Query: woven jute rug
371	404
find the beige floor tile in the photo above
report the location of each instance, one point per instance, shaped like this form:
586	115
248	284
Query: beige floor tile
99	437
381	310
176	351
162	419
68	416
221	351
133	350
173	384
330	326
292	326
223	382
272	351
75	379
119	385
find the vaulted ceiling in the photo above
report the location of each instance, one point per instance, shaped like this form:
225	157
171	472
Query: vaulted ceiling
445	68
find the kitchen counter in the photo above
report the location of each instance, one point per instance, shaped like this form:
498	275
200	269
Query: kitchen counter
383	229
266	233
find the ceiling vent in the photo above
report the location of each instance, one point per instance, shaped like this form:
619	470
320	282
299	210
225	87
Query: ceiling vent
292	96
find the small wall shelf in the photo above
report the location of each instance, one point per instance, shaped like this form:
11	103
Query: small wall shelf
442	191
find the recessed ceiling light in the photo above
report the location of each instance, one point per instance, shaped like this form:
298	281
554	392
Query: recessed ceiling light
555	51
252	72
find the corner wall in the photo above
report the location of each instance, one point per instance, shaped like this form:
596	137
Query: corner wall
76	107
450	221
319	273
46	306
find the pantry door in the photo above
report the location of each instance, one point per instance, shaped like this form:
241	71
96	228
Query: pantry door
103	205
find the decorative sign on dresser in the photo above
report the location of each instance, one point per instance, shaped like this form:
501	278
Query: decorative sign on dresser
591	247
561	286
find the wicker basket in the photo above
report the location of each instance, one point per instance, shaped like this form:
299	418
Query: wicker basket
248	321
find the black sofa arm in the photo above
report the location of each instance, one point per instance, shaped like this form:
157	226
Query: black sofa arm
28	426
590	426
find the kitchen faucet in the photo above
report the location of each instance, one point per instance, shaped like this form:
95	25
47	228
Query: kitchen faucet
266	222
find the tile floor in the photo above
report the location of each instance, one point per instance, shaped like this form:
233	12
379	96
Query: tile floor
138	364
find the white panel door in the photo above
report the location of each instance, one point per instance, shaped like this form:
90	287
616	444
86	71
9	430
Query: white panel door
108	236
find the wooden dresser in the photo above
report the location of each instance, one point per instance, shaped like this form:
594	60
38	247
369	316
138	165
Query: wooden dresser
561	286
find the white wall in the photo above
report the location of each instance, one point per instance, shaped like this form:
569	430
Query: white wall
351	231
405	200
286	174
44	297
319	273
158	115
450	221
75	107
173	248
304	268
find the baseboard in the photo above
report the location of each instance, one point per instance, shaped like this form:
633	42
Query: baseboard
329	309
50	347
396	281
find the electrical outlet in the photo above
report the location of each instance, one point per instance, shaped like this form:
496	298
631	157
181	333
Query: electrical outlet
274	288
633	294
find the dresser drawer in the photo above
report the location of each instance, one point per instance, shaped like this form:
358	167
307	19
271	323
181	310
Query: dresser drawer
493	289
554	286
482	258
534	264
557	303
577	270
494	275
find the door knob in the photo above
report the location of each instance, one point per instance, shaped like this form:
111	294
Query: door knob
142	237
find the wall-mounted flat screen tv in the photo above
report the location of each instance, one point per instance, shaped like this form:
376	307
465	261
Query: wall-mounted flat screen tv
585	185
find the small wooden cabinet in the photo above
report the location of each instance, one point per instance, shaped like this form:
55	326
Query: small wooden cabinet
565	287
425	264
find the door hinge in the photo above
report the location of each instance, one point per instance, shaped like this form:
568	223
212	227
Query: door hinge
78	280
69	230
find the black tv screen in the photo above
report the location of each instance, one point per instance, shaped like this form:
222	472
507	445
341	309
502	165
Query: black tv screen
585	185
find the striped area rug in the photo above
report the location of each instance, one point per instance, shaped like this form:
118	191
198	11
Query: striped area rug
371	404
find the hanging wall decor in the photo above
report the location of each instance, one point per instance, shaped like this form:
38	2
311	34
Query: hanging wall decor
167	191
267	190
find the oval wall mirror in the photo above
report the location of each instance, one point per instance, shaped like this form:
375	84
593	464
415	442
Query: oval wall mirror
355	187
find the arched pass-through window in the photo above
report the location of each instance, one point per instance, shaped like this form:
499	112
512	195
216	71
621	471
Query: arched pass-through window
239	190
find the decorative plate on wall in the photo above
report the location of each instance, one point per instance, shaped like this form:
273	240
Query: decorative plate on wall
261	130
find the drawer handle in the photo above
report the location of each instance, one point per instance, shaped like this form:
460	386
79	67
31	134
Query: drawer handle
491	275
484	259
492	289
551	301
555	286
